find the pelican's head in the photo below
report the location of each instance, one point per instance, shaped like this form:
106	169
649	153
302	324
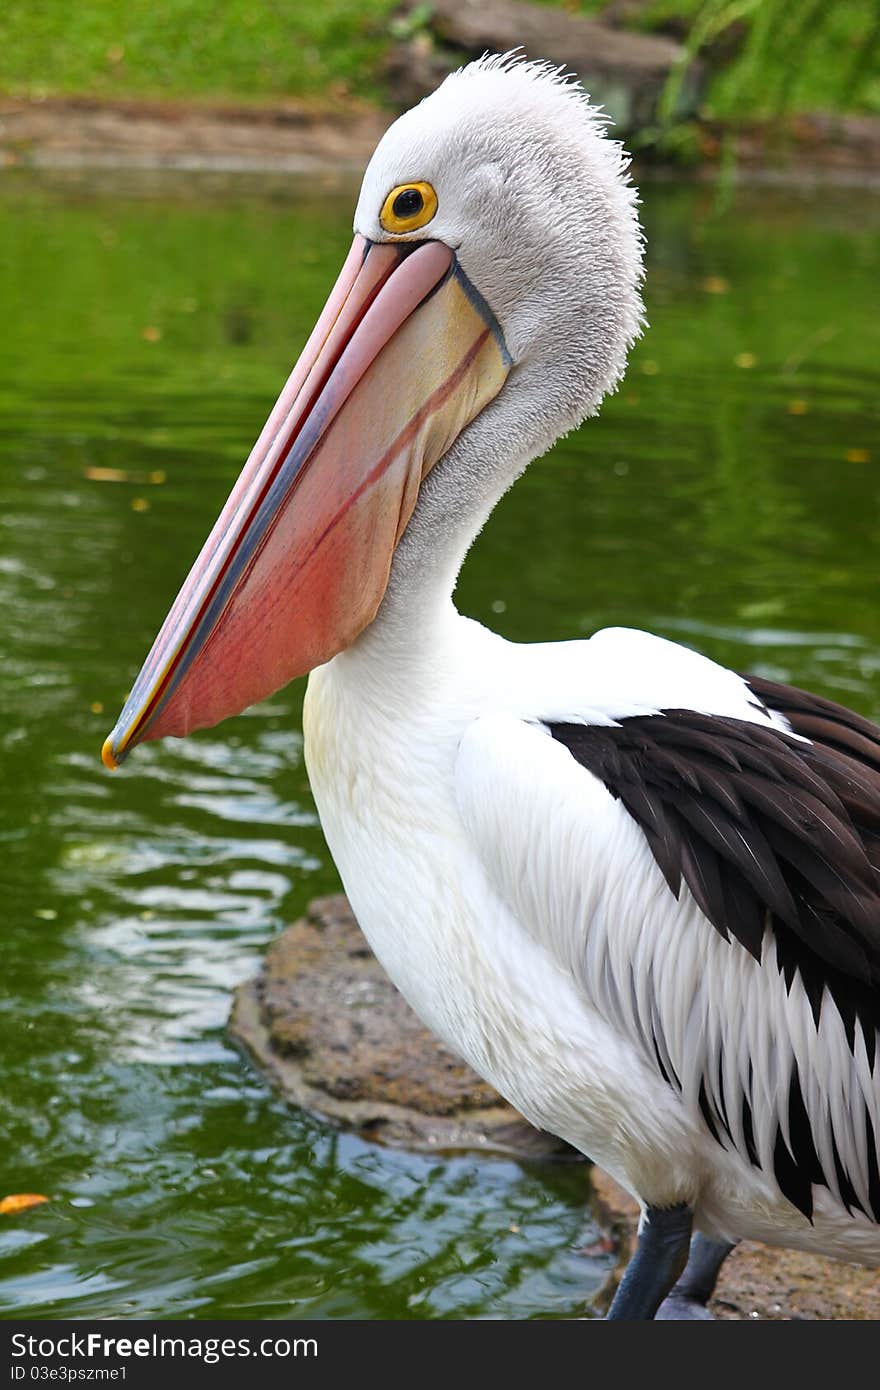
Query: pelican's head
486	307
516	174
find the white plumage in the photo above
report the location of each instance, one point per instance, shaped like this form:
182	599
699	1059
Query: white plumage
510	895
516	905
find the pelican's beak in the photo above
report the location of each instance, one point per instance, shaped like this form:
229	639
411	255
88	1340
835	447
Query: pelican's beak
405	354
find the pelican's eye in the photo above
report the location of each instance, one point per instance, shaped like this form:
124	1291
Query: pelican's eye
408	207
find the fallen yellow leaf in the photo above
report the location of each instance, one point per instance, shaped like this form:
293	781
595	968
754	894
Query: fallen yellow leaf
106	475
20	1201
858	456
151	334
798	407
157	475
745	359
140	504
715	284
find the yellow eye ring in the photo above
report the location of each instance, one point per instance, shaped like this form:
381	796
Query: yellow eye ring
408	207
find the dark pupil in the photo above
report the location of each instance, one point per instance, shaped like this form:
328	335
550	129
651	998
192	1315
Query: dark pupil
408	203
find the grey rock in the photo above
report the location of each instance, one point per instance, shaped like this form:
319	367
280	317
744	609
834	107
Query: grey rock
624	72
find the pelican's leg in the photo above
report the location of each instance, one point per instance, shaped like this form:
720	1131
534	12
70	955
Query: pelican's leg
660	1257
696	1286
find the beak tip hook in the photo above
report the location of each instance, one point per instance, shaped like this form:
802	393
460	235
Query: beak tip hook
108	757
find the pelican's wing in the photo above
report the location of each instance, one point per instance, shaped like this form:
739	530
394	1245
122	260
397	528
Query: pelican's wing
711	881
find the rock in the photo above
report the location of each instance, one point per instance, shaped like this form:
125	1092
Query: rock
415	67
624	72
338	1039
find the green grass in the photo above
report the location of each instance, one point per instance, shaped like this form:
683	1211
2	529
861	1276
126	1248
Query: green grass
789	55
321	50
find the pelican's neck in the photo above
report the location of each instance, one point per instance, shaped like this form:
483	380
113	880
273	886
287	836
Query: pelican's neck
411	629
412	639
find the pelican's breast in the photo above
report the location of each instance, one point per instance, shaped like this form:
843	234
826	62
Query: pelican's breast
385	792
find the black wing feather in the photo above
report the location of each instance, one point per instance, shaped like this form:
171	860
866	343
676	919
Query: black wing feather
769	833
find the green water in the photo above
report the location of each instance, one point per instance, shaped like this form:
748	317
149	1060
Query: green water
729	496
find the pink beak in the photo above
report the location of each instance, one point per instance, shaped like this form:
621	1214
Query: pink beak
404	355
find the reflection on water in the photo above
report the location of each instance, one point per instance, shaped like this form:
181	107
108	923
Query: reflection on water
728	497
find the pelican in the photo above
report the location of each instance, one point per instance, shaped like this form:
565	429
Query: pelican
639	893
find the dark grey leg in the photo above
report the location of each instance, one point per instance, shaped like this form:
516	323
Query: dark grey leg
696	1286
661	1255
